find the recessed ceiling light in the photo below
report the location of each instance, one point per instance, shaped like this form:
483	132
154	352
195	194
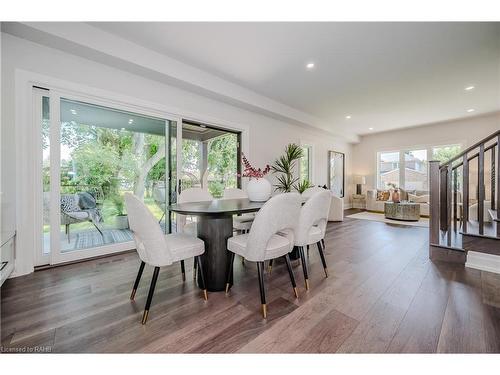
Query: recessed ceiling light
348	117
122	129
370	128
310	65
73	111
130	121
471	110
468	88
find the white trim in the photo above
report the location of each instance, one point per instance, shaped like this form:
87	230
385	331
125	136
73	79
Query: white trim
483	262
39	258
25	196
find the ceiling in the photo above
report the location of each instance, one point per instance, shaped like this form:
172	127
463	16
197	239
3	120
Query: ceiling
94	115
104	117
384	75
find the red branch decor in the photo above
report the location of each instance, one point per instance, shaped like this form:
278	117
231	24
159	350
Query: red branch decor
251	172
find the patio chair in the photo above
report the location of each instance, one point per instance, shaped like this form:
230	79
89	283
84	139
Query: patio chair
76	208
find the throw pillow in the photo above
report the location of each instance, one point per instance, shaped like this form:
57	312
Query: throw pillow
86	201
383	195
69	203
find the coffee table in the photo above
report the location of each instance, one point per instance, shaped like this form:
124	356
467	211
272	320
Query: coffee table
405	211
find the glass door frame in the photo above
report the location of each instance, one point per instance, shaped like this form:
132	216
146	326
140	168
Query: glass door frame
56	256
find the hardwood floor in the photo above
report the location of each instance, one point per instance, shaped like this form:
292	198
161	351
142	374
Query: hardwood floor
383	295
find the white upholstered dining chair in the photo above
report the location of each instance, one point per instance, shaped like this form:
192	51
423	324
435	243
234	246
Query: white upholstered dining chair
190	195
311	227
262	243
195	194
241	223
157	249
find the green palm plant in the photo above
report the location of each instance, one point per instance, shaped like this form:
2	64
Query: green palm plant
284	167
303	186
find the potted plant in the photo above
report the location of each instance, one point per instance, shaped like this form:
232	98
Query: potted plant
303	186
284	167
121	218
259	189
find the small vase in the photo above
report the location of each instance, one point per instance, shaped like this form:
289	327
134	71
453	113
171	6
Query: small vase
259	189
395	196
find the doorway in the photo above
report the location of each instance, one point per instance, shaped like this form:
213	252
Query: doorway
90	155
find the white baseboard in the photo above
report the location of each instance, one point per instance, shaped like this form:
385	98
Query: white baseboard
347	206
483	262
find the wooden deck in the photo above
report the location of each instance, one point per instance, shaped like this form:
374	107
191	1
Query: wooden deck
383	295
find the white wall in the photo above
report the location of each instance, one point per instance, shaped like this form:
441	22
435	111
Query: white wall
466	131
267	136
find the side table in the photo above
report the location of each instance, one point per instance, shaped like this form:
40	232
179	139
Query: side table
359	201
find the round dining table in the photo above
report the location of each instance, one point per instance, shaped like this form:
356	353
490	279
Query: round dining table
215	226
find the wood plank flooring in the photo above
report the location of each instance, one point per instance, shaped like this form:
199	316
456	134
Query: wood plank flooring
383	295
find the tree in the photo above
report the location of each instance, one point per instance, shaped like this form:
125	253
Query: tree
222	163
445	153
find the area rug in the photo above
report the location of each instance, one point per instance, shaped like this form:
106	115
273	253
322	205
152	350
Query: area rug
373	216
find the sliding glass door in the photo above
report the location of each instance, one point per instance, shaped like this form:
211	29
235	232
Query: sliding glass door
91	155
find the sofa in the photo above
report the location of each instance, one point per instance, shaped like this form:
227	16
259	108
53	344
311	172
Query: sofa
336	212
374	205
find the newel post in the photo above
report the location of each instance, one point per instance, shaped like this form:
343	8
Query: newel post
434	177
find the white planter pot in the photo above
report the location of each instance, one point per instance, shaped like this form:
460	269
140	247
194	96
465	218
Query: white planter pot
121	222
259	189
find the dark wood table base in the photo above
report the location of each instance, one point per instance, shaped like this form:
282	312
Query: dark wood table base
215	231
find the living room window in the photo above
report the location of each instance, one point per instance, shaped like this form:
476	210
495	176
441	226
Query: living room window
444	153
415	174
388	169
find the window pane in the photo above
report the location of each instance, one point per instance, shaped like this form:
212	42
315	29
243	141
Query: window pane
388	170
445	153
416	170
104	154
305	164
222	164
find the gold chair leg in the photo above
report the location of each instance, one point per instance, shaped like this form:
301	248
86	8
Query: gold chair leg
264	310
145	316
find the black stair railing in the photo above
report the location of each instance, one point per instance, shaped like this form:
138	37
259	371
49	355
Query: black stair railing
450	193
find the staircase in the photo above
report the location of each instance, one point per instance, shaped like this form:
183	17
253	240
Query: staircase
465	203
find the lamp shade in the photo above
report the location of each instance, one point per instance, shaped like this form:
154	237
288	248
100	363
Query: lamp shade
360	180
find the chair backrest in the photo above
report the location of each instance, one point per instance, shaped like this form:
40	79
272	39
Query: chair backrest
313	212
149	238
194	195
280	213
159	194
309	192
234	193
190	195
